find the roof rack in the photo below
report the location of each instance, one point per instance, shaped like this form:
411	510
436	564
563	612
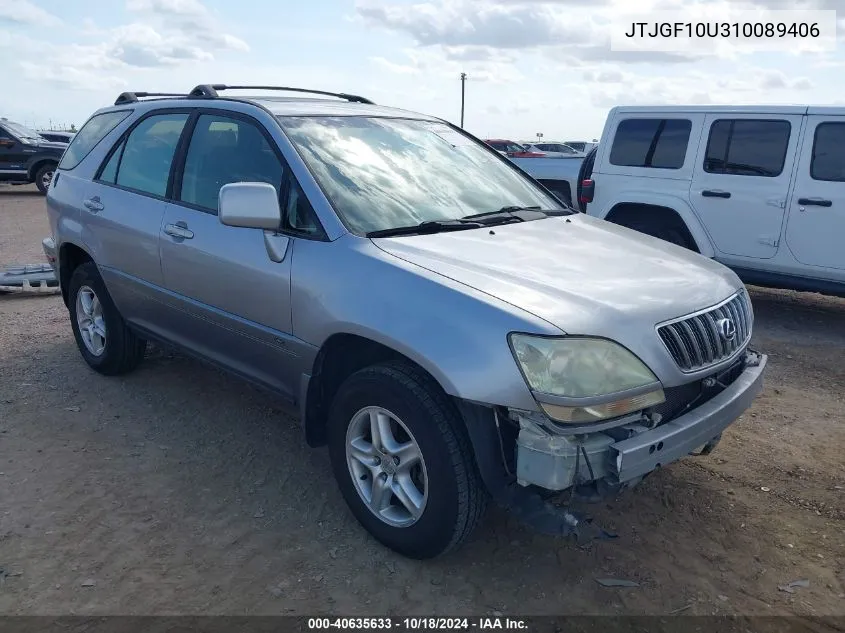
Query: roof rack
133	97
209	91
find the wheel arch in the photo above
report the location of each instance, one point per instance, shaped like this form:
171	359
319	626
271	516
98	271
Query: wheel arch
674	210
341	355
38	164
71	256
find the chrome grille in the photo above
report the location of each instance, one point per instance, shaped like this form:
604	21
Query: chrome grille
697	341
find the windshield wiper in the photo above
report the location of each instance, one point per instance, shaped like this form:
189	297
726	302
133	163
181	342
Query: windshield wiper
502	211
428	227
509	214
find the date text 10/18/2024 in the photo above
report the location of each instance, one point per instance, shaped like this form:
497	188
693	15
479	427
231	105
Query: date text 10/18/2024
419	624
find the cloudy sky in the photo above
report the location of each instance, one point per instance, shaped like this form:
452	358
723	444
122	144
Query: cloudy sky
533	65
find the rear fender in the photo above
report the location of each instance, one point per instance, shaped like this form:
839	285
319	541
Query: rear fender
677	204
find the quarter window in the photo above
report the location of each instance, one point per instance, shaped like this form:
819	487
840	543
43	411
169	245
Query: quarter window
109	172
654	143
298	215
747	147
145	161
94	131
828	161
225	150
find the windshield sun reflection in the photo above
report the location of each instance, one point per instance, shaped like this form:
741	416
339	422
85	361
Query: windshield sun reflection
383	173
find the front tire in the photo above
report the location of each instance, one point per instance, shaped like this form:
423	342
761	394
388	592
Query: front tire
403	461
44	176
103	338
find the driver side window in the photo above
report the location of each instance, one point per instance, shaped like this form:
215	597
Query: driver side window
225	150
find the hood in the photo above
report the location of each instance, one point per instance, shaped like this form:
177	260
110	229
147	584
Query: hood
51	145
581	274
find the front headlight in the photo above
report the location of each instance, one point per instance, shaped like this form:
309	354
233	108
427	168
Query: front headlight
580	380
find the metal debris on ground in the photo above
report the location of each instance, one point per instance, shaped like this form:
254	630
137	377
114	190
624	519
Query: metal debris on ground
790	587
38	278
616	582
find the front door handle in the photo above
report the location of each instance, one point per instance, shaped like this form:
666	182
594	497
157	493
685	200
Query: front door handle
179	230
715	193
814	202
93	204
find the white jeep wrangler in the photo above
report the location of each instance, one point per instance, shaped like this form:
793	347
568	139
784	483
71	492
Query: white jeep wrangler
761	189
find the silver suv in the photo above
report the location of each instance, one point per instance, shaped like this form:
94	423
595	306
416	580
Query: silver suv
449	329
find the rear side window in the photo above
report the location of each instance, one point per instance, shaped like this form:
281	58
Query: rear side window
654	143
747	147
828	161
145	160
94	131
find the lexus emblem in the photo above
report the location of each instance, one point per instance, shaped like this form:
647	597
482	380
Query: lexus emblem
727	329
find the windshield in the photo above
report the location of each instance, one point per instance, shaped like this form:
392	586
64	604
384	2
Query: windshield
381	173
21	131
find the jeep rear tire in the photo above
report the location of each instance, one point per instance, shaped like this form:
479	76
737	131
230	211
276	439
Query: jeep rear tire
403	461
103	338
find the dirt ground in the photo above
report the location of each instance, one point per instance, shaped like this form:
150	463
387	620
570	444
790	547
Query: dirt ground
180	490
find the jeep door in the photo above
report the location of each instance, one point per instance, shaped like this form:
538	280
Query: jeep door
230	299
815	229
123	210
742	178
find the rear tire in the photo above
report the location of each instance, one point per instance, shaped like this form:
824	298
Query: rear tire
44	176
104	340
447	499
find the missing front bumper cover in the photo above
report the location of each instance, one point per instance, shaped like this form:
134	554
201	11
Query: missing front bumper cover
624	455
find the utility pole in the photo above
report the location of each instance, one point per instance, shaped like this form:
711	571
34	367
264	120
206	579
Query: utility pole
463	95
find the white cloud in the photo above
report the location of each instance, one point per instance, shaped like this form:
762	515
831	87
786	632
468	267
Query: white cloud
25	12
399	69
609	86
483	28
166	34
440	65
190	8
72	78
474	23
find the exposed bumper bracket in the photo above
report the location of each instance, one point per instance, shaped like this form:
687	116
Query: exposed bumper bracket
523	503
28	278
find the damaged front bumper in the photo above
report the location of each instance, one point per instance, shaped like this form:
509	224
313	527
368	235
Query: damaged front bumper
622	455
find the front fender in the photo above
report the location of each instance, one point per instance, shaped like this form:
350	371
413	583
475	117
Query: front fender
456	333
674	202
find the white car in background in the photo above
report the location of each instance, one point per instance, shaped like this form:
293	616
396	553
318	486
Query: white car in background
554	149
582	146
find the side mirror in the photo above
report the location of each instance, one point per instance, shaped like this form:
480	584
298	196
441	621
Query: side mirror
6	142
250	205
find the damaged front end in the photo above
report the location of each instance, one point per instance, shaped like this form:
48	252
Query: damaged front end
542	458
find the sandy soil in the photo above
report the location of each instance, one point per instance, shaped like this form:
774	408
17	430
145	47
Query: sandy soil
178	489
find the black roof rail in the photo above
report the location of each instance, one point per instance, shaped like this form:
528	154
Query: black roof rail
209	91
133	97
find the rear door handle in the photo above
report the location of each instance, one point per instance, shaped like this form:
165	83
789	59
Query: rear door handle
814	202
715	193
180	230
93	204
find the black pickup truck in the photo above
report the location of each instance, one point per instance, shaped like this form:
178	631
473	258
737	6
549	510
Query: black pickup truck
26	156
